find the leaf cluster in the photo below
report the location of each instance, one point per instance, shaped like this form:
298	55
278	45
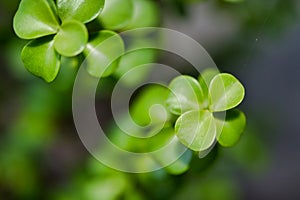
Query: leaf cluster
60	28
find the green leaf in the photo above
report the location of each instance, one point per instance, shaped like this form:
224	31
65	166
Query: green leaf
226	92
71	38
176	152
185	94
196	129
204	79
101	53
133	59
144	102
116	14
231	129
81	10
234	1
207	75
123	137
35	18
40	58
145	14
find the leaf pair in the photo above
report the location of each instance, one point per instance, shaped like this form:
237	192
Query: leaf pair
197	102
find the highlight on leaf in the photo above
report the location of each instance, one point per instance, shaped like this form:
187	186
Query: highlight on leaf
102	53
81	10
225	92
35	18
185	94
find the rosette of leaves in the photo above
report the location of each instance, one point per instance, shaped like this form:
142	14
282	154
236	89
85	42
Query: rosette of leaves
57	28
199	103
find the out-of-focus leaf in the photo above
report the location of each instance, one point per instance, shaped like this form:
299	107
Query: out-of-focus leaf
234	1
71	38
252	159
81	10
116	14
134	144
134	59
100	51
142	111
218	188
108	188
145	14
230	130
182	164
225	92
185	94
36	18
175	157
196	129
67	73
205	78
40	58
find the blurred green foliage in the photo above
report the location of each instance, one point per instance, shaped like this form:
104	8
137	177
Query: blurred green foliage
36	116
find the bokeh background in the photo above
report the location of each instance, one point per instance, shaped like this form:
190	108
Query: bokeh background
41	156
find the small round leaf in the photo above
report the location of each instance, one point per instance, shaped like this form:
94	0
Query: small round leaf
40	58
225	92
36	18
231	129
71	38
102	52
116	14
185	94
81	10
196	129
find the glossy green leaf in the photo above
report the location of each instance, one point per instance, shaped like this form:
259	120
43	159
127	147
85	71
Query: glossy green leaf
36	18
40	58
145	14
71	38
116	14
196	129
230	130
81	10
226	92
101	51
185	94
143	111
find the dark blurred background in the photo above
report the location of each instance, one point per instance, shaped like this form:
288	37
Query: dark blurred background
41	156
